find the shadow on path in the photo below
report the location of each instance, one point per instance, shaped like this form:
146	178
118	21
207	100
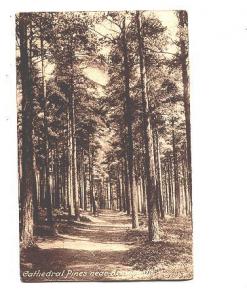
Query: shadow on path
95	247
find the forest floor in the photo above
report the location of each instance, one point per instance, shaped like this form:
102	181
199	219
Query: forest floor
105	248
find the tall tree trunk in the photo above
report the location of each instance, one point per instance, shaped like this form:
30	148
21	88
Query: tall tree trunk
27	145
183	41
91	175
73	145
172	185
128	111
35	195
70	157
153	223
48	199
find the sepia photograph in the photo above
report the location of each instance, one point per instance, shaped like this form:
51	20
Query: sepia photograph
104	146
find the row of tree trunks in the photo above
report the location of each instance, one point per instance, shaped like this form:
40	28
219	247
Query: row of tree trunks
112	190
176	191
174	173
170	186
68	178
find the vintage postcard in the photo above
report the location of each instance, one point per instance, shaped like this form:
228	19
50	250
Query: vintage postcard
105	189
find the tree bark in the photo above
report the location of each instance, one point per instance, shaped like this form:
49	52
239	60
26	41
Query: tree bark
85	187
183	23
128	111
27	145
73	145
81	179
119	189
35	194
127	186
70	158
153	225
48	199
91	175
185	183
123	186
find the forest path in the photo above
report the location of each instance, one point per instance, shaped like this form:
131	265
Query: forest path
96	246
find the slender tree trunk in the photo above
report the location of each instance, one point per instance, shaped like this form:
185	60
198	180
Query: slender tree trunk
91	175
144	204
108	194
169	170
35	193
123	187
153	224
85	187
185	186
71	211
166	190
176	178
27	145
48	199
81	179
65	182
127	186
183	22
42	186
158	181
129	120
159	175
119	185
102	202
74	152
57	178
110	190
172	184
